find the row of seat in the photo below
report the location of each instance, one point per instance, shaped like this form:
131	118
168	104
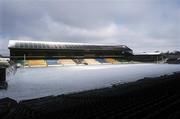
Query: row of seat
91	61
37	63
57	62
148	98
111	60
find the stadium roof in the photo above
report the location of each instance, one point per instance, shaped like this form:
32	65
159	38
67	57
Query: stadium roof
17	44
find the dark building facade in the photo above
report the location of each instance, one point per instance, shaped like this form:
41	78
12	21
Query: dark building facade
51	50
151	57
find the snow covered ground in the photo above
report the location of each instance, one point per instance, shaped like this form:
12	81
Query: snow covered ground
30	83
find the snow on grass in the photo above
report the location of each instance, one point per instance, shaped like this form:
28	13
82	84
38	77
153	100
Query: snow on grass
30	83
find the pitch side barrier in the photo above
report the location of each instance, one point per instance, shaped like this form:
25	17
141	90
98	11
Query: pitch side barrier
3	84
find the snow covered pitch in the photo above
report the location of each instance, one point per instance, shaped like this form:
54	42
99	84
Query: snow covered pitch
30	83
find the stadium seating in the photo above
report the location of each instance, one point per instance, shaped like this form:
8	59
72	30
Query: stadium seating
22	63
52	62
148	98
79	61
37	63
112	60
60	62
6	104
66	61
82	61
91	61
101	60
121	60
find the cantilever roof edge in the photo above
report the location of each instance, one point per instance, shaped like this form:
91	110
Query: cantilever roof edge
12	43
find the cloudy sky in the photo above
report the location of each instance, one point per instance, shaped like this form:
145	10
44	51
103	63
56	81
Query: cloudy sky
143	25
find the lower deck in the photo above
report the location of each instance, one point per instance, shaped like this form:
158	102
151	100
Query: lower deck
62	62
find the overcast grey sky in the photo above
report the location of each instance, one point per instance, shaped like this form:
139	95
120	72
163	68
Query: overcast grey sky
143	25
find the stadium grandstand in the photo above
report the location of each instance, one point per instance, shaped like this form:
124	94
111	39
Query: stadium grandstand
41	53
